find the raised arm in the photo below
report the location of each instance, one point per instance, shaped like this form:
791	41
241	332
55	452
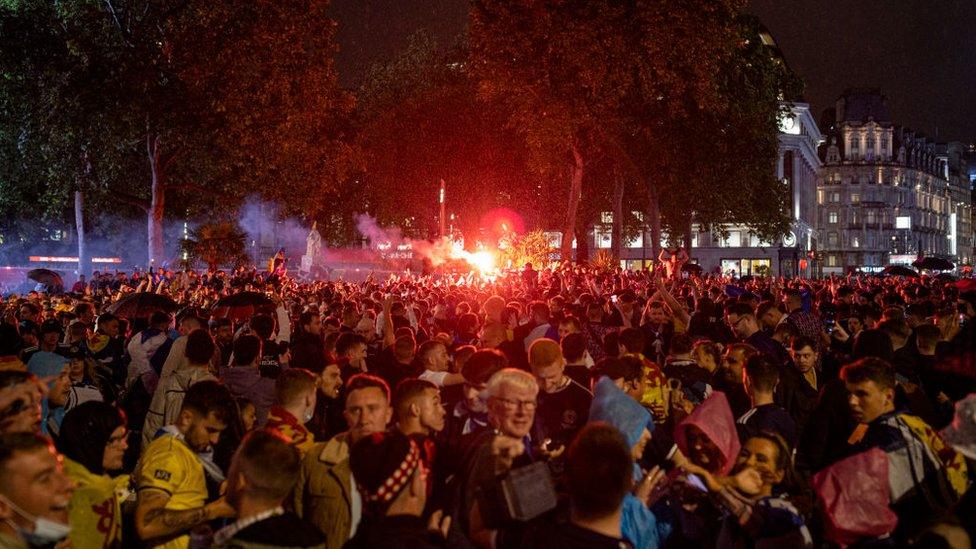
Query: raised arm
673	303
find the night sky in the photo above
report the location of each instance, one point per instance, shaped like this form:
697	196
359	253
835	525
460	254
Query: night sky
922	53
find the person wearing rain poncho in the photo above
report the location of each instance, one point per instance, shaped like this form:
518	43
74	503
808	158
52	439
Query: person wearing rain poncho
926	475
706	446
730	495
612	405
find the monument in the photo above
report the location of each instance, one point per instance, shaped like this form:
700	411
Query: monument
313	250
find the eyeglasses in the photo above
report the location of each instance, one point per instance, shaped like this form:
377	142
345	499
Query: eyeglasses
735	324
512	405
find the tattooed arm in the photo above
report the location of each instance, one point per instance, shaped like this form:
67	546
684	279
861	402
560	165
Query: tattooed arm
153	520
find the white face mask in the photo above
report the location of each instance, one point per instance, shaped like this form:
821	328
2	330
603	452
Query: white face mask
45	531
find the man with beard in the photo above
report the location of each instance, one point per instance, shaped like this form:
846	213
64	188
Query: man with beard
263	472
327	421
170	477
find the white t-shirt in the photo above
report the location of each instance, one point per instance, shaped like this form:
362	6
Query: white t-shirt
437	378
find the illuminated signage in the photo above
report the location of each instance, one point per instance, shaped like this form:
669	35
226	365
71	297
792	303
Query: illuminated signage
67	259
903	222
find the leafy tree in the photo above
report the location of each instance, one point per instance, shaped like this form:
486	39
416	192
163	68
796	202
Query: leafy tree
192	102
518	249
217	243
556	67
420	122
676	97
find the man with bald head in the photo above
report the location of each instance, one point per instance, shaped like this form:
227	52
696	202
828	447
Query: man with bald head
564	404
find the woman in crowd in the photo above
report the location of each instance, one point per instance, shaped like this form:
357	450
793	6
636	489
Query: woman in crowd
93	441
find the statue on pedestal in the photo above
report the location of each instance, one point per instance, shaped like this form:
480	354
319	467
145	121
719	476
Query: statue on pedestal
313	249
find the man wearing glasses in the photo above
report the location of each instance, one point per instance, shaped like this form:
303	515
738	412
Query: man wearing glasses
503	445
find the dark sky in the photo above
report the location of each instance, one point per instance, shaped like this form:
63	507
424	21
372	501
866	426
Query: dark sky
922	53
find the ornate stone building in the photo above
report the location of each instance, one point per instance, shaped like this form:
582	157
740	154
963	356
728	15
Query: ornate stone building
886	194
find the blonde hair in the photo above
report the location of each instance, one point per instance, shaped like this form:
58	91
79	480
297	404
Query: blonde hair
511	376
544	352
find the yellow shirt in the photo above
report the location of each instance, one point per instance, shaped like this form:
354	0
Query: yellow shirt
94	510
169	465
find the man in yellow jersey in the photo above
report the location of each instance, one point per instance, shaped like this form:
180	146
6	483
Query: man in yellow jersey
170	477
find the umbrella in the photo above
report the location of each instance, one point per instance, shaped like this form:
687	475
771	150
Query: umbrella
966	284
142	305
899	270
242	305
946	277
934	264
46	277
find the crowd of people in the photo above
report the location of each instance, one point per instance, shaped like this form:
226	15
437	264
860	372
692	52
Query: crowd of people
563	407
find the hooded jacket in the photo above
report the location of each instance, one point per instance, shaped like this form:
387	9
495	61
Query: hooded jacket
247	382
610	404
168	399
714	418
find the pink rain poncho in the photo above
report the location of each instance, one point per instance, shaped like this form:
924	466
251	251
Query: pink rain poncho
854	494
714	418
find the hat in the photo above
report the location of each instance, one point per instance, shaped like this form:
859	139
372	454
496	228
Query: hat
961	433
383	464
50	326
74	352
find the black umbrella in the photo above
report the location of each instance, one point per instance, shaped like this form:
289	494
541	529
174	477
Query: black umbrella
899	270
46	277
243	305
142	305
934	264
946	277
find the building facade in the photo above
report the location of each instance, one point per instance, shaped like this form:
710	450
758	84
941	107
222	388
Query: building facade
739	251
886	194
797	166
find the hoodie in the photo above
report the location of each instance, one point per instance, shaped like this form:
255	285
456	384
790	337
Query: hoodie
247	382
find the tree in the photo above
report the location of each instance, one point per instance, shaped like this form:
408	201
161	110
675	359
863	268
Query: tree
420	122
518	249
707	142
217	243
555	67
201	102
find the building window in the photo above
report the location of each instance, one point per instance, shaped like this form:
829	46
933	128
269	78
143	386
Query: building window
832	240
831	260
855	198
832	217
884	143
869	216
855	242
820	196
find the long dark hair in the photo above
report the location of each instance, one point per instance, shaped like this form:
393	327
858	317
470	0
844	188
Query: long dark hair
85	431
